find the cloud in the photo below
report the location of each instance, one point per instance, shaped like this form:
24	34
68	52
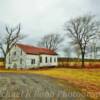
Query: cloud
40	17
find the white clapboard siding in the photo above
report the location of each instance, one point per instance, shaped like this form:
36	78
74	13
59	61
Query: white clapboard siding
22	60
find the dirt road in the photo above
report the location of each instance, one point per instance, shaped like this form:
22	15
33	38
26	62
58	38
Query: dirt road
35	87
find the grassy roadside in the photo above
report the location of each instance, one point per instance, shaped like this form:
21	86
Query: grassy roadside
87	80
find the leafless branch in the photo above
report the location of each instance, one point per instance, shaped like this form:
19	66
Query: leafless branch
81	30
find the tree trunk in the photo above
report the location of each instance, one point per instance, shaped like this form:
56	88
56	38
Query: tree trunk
4	61
82	65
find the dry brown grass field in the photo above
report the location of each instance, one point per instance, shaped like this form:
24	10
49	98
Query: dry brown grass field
87	80
74	64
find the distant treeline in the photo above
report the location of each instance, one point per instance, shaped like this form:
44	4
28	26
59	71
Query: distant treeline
76	59
1	59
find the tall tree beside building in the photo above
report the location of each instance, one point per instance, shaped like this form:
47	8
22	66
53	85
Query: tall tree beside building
81	30
9	39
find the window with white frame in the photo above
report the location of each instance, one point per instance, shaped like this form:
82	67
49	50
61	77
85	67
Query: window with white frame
21	61
32	61
55	59
51	59
40	59
46	59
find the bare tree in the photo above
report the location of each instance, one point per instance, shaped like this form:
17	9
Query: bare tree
81	30
9	39
51	41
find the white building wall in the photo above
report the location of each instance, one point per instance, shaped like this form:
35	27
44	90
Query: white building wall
26	60
48	63
37	63
15	59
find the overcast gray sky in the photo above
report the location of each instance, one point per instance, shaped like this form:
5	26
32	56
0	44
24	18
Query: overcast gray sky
39	17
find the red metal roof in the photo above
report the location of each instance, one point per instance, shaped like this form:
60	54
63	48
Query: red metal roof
28	49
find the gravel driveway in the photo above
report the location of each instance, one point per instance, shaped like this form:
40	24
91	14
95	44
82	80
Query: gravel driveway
35	87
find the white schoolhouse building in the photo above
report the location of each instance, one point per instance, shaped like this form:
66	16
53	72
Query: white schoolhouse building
23	56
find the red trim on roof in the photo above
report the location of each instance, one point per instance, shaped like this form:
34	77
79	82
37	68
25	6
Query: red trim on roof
28	49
